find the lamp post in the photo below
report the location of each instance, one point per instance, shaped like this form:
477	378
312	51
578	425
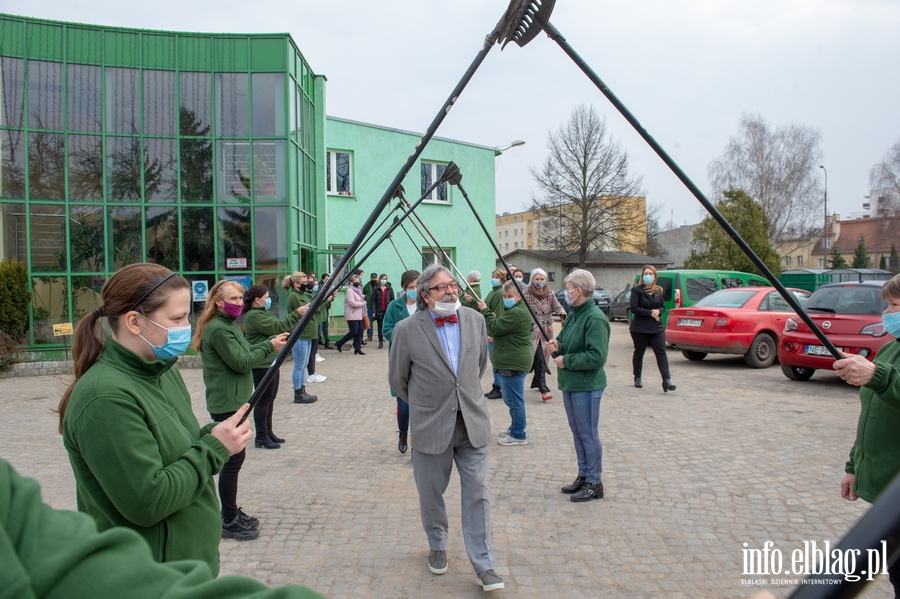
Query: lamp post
513	144
825	222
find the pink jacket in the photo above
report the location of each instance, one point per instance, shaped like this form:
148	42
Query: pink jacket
354	304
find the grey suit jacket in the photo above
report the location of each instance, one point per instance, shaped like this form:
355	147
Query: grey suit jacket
420	372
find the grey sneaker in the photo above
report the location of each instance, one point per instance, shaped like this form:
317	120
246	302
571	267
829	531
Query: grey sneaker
489	581
437	562
508	440
504	432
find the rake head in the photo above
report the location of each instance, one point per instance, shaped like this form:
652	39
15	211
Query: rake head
523	21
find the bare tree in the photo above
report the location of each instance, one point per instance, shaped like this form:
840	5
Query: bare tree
587	198
777	168
884	183
652	247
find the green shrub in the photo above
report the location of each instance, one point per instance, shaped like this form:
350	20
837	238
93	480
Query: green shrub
14	299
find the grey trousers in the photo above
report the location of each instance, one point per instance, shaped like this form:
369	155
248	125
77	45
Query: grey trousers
432	474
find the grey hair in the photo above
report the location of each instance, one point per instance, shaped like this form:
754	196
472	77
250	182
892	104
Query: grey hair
474	276
538	271
582	279
510	285
891	289
424	283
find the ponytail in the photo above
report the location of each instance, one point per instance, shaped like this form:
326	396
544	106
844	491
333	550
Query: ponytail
86	348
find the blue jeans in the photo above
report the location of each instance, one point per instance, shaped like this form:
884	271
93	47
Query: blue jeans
402	416
513	389
300	351
496	376
583	411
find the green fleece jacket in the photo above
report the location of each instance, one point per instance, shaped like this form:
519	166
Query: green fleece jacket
260	325
140	458
476	287
494	300
227	364
57	554
301	298
511	331
584	345
875	457
396	311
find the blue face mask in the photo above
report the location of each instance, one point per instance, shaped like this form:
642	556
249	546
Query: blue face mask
891	322
315	287
495	282
509	302
177	341
411	294
538	284
648	279
268	303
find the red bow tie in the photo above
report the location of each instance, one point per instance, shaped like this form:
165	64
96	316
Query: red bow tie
440	320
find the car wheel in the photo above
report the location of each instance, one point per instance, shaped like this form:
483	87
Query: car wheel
797	373
762	352
693	356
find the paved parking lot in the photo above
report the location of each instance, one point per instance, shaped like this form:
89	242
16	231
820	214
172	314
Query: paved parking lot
733	456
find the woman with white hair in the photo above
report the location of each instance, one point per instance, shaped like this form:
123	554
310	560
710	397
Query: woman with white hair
544	305
580	353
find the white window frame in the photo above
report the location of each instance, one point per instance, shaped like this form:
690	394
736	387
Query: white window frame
432	198
331	182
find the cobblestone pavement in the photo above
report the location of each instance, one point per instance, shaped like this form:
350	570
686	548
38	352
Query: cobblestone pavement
733	456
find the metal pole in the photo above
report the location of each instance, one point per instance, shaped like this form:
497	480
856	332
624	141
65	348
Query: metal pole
825	222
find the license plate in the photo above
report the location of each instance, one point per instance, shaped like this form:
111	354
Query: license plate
689	322
819	350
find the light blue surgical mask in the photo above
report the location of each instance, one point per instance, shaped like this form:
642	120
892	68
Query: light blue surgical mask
495	282
891	322
383	281
315	287
509	302
411	294
539	284
648	279
268	303
177	341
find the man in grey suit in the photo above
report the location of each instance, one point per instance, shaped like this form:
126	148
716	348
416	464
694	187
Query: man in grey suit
437	358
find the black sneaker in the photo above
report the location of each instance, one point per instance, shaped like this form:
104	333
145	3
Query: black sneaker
247	519
238	531
494	394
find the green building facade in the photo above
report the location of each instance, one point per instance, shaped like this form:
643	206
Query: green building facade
195	151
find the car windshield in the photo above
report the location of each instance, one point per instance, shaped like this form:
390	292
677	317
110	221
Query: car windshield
847	300
601	294
726	299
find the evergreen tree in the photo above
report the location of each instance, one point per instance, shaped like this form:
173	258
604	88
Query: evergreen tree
837	261
861	257
720	251
882	264
895	260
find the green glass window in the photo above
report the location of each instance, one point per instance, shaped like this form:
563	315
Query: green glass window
268	171
195	110
232	105
50	302
122	105
48	238
270	233
159	103
125	235
160	170
196	170
12	92
45	95
47	166
268	104
84	98
12	232
234	238
123	164
162	236
86	238
197	231
86	295
234	171
85	167
12	164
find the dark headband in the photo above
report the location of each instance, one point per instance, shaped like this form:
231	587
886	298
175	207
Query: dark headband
152	289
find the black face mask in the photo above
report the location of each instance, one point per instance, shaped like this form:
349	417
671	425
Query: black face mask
356	284
309	286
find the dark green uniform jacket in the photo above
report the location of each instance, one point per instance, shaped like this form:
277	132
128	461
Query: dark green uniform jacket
511	331
260	325
140	458
494	300
57	554
396	311
227	364
875	457
584	341
301	298
476	287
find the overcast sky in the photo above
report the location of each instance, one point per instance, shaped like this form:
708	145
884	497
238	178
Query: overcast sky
686	69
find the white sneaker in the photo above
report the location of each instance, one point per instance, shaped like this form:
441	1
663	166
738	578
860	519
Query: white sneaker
504	432
316	378
507	440
319	358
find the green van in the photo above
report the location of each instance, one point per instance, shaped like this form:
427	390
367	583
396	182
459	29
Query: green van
682	288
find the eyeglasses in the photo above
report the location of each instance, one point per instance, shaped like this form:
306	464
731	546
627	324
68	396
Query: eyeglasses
442	287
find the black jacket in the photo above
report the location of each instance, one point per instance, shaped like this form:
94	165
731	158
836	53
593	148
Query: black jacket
641	304
377	310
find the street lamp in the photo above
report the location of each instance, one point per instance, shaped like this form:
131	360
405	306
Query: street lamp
516	143
825	222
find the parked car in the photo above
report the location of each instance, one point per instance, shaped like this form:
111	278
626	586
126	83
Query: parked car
746	322
850	316
619	307
683	288
601	298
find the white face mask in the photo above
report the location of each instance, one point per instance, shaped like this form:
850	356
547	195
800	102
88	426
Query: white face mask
446	308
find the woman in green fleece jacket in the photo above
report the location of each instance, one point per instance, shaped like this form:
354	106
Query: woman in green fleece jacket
227	363
580	352
875	456
139	456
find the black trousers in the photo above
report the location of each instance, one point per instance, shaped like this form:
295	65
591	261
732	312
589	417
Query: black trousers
380	321
262	413
311	363
658	342
228	477
539	368
355	333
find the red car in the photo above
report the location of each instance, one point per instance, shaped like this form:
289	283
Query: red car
849	314
746	321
